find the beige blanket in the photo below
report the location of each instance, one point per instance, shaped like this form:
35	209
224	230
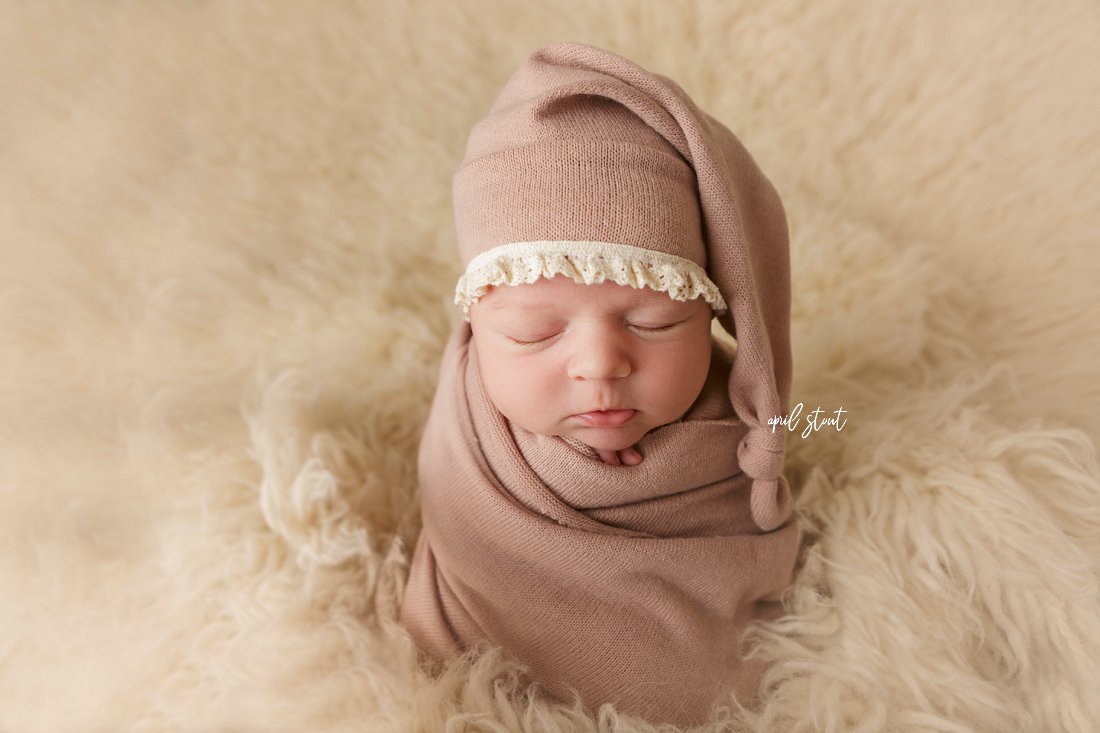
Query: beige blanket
225	278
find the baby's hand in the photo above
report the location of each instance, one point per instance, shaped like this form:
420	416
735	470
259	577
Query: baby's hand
626	456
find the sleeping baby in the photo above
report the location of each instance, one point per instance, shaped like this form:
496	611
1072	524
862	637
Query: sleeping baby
602	496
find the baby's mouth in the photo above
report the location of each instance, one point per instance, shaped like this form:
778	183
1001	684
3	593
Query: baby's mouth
606	418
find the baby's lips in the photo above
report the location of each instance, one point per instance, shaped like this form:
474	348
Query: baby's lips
606	418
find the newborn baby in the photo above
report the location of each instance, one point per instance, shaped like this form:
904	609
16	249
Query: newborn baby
603	364
601	493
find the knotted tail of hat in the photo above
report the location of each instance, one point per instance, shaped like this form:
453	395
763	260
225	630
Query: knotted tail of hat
544	135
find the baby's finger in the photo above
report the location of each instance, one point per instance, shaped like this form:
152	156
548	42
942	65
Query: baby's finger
609	456
630	456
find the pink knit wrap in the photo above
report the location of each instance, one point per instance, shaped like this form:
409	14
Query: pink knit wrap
629	584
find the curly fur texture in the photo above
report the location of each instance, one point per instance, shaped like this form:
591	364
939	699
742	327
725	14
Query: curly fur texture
226	274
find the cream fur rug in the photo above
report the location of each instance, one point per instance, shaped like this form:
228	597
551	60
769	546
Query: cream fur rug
226	263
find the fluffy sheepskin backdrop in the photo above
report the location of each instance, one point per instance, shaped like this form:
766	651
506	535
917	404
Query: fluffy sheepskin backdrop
226	267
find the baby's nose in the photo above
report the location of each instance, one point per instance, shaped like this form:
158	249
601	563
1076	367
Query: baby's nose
601	357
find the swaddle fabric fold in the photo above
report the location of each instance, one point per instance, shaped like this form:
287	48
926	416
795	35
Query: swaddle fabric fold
629	584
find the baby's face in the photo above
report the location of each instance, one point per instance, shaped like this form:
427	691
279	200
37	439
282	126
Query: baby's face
554	349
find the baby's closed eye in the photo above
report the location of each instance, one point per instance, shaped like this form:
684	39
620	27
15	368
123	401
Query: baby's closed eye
531	341
655	327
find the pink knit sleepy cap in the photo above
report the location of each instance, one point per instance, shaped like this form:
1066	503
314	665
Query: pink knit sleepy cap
589	166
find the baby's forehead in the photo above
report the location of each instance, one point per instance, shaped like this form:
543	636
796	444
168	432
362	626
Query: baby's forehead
549	293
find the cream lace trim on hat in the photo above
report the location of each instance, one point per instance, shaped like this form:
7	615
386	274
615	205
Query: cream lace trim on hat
587	263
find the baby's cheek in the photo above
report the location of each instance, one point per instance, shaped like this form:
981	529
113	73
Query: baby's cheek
680	375
522	391
673	366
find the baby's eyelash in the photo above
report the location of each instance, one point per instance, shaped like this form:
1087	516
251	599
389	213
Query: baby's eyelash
527	343
647	329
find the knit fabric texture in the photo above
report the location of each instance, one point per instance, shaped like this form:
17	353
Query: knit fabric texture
630	584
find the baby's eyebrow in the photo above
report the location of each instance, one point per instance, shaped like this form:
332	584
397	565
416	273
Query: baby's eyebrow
498	305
